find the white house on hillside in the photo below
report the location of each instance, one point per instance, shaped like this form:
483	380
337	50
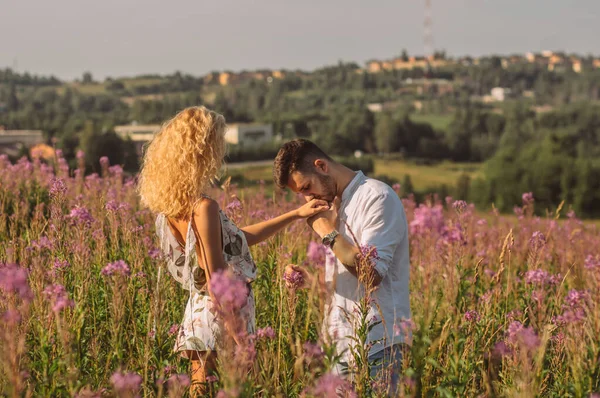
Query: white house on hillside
243	134
501	93
13	141
138	132
249	134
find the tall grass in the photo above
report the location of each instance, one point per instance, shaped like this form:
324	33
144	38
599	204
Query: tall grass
502	306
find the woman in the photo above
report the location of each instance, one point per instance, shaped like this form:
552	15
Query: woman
195	235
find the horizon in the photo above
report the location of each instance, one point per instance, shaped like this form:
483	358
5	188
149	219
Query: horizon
360	64
120	38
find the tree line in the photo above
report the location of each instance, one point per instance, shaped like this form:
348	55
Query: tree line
552	154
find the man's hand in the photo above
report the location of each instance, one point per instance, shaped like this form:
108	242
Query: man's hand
297	277
326	221
312	208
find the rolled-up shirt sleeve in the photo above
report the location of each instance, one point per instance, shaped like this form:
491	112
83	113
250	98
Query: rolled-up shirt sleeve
384	228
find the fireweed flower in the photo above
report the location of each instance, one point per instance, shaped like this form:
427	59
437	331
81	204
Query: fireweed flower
234	209
58	297
514	315
234	205
541	277
119	267
59	266
453	234
369	252
229	393
104	162
81	216
154	253
459	206
404	329
245	353
312	351
259	214
315	253
174	329
112	206
501	349
13	279
265	333
368	256
126	383
140	275
537	240
519	335
178	381
11	317
472	316
212	379
329	384
518	211
575	298
428	219
231	293
42	243
57	187
527	198
293	279
115	170
592	262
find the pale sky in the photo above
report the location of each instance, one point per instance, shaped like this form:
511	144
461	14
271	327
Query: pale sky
131	37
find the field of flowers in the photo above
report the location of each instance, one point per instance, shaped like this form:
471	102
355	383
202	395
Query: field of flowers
502	305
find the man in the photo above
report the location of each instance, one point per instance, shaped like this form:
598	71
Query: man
370	211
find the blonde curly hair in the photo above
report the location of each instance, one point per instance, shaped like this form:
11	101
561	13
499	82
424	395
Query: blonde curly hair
181	160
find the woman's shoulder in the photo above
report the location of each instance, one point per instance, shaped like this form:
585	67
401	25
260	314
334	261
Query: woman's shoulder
206	208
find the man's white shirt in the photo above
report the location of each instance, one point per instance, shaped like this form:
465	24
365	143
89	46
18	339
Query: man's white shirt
372	213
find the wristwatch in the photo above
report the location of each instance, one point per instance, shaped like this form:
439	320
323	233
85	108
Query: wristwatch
329	239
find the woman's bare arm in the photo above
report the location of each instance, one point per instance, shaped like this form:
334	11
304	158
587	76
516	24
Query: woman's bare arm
261	231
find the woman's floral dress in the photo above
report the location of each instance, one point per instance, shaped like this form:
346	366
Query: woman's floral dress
200	330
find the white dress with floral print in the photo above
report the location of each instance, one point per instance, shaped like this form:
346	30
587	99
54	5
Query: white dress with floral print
200	330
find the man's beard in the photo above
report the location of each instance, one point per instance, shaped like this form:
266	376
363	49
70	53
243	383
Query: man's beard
328	186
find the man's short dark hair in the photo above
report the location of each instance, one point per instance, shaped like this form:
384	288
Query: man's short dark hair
295	155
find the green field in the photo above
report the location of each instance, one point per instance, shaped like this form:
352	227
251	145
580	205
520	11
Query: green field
423	177
437	121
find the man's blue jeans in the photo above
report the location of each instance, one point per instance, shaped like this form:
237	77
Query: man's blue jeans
386	367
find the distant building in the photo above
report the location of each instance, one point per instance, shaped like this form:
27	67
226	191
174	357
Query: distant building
376	66
249	134
547	53
245	134
500	93
531	57
556	62
528	93
224	78
12	142
138	133
375	107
